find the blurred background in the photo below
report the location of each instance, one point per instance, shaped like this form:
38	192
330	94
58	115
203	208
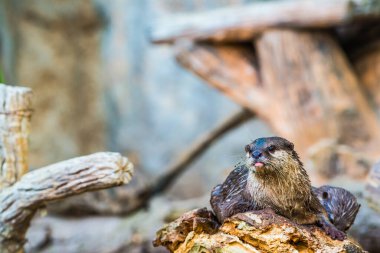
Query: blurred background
100	83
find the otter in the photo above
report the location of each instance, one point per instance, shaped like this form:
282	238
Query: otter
341	205
272	177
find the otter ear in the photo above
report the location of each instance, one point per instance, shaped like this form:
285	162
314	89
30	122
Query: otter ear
247	148
290	145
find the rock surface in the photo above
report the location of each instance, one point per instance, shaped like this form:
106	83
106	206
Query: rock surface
257	231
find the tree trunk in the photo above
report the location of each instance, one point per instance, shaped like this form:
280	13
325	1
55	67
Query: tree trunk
21	195
15	115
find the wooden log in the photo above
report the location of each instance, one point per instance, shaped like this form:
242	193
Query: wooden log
316	92
304	88
19	202
367	66
242	23
15	113
257	231
22	194
232	69
319	99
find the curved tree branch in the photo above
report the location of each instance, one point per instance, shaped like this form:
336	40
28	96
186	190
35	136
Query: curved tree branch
87	173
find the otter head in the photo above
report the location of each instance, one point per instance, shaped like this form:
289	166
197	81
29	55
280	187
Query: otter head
340	204
270	156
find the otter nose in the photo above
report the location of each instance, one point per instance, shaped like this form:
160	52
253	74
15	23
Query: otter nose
256	154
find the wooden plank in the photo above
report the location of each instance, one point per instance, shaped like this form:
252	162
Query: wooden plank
242	23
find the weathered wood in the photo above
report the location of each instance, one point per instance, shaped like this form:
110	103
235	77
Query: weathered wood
15	113
229	68
304	88
242	23
258	231
316	92
367	65
20	201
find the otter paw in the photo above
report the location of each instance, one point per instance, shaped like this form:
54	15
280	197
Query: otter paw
334	233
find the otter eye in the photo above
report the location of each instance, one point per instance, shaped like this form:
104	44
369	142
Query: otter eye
247	148
325	195
271	148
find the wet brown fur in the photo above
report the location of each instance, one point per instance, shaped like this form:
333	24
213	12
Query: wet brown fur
282	185
340	205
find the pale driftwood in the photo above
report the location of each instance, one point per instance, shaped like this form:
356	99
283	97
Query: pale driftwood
244	22
15	113
20	201
257	231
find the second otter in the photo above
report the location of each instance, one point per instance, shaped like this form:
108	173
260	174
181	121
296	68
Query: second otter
273	177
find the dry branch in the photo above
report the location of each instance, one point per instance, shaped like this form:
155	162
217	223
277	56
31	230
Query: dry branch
15	113
88	173
141	197
127	200
257	231
242	23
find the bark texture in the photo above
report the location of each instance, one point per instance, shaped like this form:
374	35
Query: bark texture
259	231
15	113
72	177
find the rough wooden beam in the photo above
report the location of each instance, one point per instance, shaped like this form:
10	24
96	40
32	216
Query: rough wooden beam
231	69
19	202
15	113
244	22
